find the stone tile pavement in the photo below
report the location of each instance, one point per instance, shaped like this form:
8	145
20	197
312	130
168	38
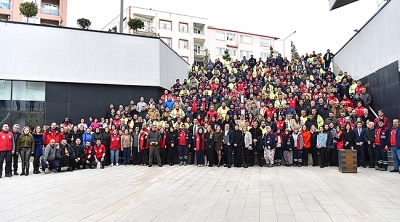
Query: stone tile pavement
178	193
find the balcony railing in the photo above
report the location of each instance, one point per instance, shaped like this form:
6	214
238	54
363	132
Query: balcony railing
200	52
50	11
147	29
4	5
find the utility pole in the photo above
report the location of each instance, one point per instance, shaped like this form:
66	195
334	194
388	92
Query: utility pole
121	17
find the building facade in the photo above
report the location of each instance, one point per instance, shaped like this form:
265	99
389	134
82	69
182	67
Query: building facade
48	81
185	34
238	43
51	12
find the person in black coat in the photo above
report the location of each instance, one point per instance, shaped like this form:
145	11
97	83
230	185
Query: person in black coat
209	145
172	144
348	137
67	156
313	145
256	135
369	138
79	154
227	137
73	135
237	147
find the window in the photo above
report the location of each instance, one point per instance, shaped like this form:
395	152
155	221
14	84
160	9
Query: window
232	52
165	25
183	27
183	44
231	37
245	53
219	51
246	39
220	35
28	96
167	41
265	42
197	49
264	55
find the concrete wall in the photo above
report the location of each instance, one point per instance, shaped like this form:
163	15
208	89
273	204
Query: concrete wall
375	46
40	53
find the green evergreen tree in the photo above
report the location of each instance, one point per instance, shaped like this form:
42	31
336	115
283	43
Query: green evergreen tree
135	24
83	23
226	55
295	54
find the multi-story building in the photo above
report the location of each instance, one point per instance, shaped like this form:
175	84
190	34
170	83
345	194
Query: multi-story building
185	34
238	43
51	12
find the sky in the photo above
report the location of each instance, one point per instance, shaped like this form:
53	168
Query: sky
316	27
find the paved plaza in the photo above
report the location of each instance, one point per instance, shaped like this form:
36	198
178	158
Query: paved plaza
191	193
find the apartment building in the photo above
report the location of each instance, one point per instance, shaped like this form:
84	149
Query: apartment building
186	35
238	43
51	12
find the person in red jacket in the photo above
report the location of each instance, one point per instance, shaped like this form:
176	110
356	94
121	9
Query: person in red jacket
359	109
163	145
200	147
52	133
115	145
144	145
212	113
7	148
99	153
89	158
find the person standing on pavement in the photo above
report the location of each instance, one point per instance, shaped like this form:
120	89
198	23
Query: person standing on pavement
394	143
227	138
39	141
381	145
15	155
369	138
7	148
25	146
154	139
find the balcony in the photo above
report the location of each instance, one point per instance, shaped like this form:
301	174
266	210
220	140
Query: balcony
4	5
199	54
147	31
50	11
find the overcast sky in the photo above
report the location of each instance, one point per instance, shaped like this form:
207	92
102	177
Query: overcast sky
317	28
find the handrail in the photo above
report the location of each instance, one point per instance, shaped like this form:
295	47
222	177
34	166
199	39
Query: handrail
373	112
336	66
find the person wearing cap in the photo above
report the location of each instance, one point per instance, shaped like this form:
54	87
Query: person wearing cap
381	145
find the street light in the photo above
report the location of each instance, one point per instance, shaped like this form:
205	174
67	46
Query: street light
121	17
284	43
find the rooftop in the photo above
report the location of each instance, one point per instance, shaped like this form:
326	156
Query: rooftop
249	33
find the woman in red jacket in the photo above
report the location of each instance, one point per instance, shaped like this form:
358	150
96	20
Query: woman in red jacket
307	143
115	145
200	147
163	144
144	145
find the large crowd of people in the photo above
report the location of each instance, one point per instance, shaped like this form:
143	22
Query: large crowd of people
225	114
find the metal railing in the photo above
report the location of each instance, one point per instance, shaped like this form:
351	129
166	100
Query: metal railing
200	52
50	11
147	29
4	5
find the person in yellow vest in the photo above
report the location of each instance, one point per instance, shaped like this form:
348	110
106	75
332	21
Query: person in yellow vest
223	110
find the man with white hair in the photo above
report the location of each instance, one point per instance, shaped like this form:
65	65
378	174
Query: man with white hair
369	138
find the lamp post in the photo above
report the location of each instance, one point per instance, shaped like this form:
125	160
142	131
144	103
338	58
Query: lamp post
284	43
121	17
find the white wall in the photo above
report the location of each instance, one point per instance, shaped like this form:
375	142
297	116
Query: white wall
171	65
375	46
39	53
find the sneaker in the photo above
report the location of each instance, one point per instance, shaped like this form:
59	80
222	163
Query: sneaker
185	163
181	163
111	165
116	164
394	171
16	173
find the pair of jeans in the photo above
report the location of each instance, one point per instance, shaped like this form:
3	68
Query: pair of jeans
53	164
154	149
200	157
297	157
228	154
7	156
114	154
396	157
183	151
324	156
127	155
25	156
